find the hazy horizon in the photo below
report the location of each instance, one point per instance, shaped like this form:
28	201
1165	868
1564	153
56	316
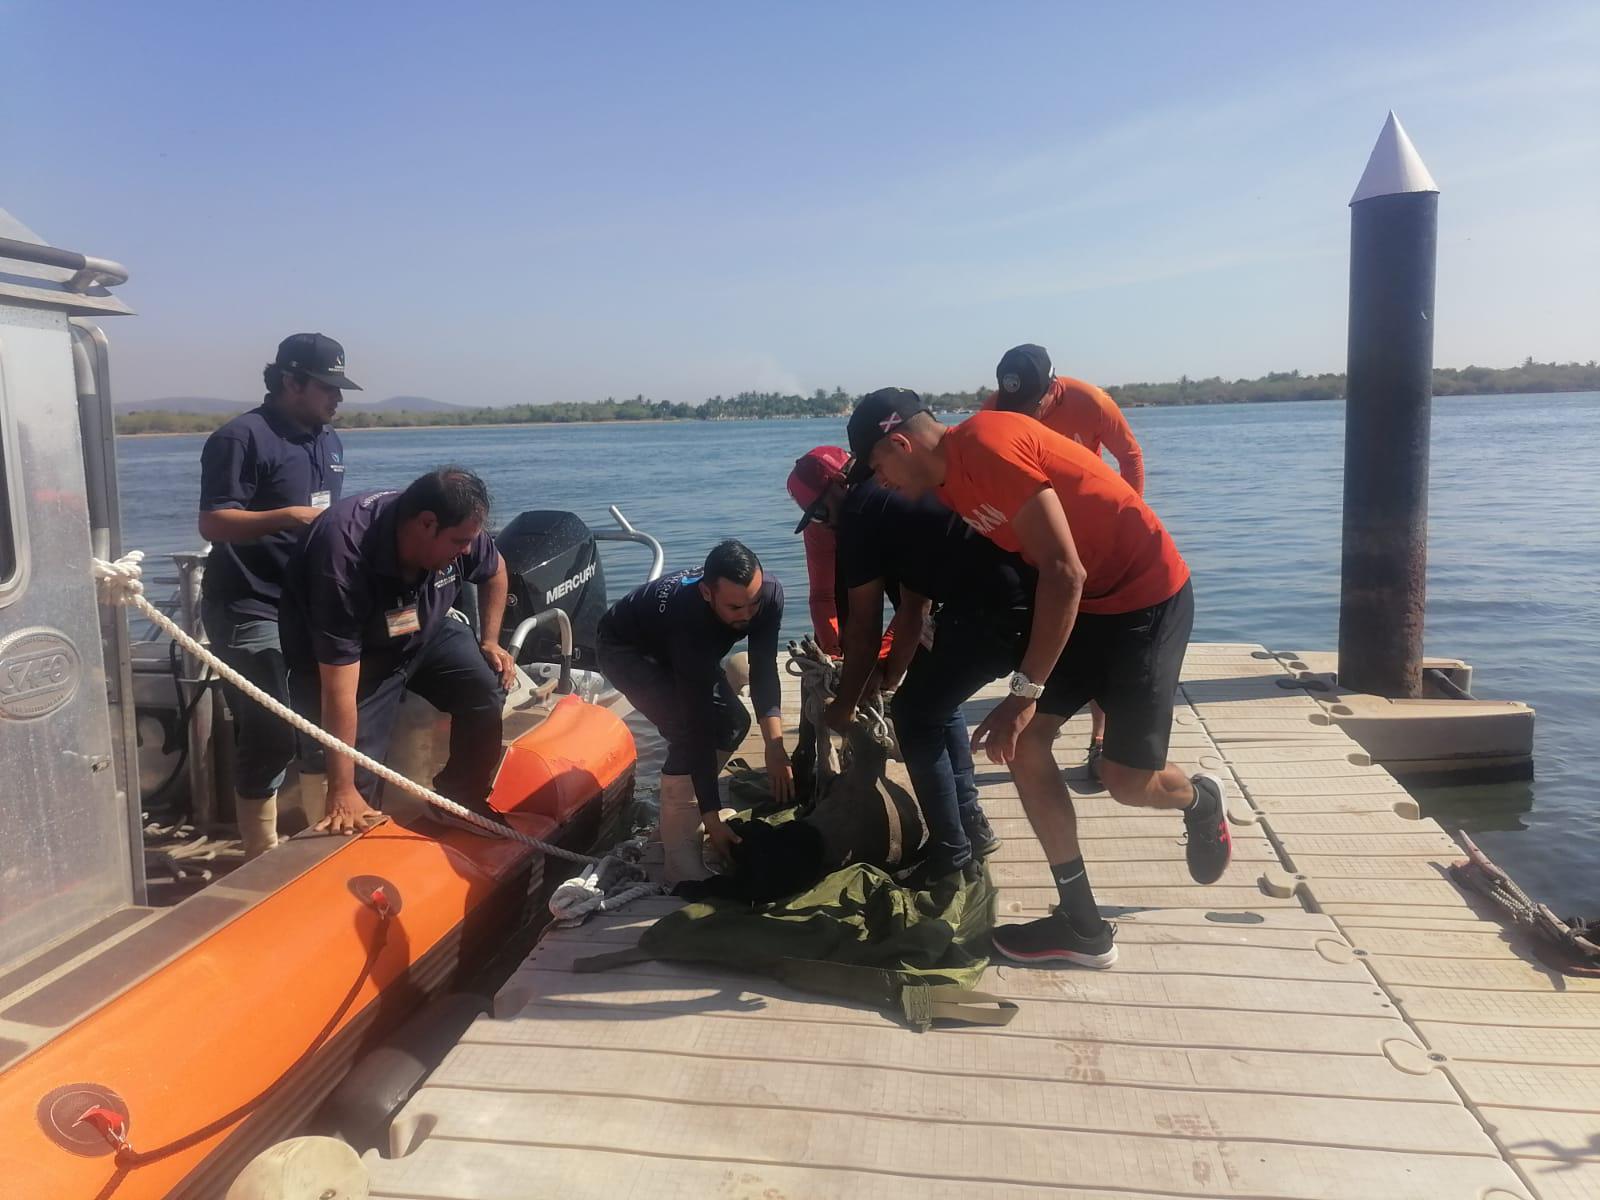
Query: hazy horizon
527	203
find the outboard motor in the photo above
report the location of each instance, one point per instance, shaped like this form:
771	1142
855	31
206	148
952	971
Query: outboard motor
552	561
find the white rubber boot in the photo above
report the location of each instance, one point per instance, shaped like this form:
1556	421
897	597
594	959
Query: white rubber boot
258	824
680	831
303	1168
313	796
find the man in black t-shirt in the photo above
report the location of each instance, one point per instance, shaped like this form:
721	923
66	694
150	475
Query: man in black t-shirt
264	476
920	554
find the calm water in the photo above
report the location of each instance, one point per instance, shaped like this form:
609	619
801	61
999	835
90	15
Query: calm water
1252	494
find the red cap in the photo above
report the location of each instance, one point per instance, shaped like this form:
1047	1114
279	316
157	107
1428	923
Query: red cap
812	473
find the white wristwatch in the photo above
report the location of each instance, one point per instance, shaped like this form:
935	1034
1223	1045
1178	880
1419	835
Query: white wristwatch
1021	686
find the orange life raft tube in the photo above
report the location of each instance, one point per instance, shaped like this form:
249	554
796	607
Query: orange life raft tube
217	1026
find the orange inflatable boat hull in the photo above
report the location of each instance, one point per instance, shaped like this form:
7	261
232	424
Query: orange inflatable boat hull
216	1027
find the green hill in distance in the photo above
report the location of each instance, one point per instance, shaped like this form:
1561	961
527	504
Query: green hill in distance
199	415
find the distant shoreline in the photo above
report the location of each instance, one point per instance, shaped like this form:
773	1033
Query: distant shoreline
427	427
840	416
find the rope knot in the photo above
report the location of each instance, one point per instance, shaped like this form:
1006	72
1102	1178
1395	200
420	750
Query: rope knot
120	582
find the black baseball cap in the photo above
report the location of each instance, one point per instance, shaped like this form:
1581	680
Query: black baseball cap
1024	377
876	415
320	357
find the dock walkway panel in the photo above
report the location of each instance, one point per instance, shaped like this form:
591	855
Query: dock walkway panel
1331	1019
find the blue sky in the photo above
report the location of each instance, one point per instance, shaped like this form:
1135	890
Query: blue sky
498	203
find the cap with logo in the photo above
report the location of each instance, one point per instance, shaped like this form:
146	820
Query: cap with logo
812	473
876	416
1024	377
320	357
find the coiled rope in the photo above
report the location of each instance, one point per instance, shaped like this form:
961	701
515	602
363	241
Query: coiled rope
120	583
819	676
605	886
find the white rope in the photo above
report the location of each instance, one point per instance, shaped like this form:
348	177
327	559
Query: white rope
820	676
120	584
601	888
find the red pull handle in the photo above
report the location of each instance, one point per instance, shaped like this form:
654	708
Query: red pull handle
380	901
109	1122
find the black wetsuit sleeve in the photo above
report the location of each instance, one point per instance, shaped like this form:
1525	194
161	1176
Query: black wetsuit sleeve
765	693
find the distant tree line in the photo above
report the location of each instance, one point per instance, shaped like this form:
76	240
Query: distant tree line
747	406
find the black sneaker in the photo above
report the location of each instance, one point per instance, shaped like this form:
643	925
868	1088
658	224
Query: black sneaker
1210	846
980	834
1052	939
1097	751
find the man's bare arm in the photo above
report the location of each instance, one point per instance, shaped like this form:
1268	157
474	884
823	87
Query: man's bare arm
910	620
492	603
348	810
234	525
339	717
1041	527
1046	538
862	635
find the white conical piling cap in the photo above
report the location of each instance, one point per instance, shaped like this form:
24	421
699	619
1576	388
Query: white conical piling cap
1395	166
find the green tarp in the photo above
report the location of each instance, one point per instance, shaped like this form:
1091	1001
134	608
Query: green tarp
856	935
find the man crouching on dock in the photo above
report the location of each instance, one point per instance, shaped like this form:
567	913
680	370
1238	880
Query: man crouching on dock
366	618
662	645
1111	621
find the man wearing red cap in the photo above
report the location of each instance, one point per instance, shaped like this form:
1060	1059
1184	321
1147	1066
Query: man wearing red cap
817	485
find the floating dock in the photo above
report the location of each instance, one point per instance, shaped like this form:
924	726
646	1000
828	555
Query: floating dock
1334	1018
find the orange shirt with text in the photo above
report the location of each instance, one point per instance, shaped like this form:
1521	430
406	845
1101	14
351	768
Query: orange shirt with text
1090	417
995	462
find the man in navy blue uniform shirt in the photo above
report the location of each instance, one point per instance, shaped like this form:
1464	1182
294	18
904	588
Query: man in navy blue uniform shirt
662	645
366	616
264	476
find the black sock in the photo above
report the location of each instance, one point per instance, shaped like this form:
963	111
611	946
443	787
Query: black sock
1194	803
1077	897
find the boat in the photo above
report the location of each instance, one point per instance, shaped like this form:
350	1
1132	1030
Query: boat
149	1049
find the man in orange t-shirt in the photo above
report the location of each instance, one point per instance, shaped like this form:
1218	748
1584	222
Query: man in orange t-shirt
1088	416
1071	407
1111	618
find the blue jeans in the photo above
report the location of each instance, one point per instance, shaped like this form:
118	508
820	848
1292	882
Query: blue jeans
970	648
264	745
450	673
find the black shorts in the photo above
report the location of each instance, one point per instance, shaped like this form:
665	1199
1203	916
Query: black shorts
1129	664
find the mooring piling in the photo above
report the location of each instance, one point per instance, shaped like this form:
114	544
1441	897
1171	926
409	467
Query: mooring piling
1393	249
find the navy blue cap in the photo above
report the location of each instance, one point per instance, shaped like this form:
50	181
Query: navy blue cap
1024	377
315	355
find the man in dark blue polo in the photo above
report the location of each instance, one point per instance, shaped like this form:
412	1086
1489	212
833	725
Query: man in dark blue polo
263	477
366	616
662	646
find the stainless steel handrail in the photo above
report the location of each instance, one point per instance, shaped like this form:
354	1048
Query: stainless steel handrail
563	625
625	532
90	272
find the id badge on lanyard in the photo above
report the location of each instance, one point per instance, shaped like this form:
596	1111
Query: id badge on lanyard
321	499
402	622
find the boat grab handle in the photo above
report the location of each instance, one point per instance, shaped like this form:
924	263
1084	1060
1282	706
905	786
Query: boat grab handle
625	532
91	272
